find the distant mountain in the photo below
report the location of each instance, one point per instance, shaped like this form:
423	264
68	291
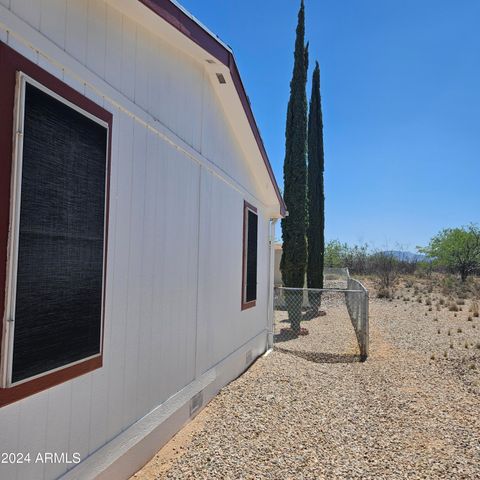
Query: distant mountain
407	256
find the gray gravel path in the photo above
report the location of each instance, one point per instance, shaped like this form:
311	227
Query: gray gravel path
400	415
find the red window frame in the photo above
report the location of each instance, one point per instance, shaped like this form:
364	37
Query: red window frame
12	62
246	208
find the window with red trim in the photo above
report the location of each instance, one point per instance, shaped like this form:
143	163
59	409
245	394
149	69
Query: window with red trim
55	234
250	241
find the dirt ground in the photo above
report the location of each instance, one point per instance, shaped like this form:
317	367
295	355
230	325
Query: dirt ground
410	411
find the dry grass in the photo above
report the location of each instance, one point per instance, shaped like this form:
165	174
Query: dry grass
453	307
474	309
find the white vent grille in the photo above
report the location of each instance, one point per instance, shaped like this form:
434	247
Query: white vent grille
196	402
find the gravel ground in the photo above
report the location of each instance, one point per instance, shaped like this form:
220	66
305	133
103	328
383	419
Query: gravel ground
408	412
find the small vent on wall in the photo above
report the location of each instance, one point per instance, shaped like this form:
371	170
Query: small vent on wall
196	402
210	61
221	78
248	358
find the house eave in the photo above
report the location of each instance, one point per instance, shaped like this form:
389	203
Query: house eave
189	26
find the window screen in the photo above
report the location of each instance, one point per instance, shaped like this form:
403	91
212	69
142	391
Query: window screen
251	256
58	305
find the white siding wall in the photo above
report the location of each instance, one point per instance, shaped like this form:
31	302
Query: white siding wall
153	74
175	228
221	323
219	143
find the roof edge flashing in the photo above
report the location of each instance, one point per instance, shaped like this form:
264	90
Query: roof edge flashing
201	25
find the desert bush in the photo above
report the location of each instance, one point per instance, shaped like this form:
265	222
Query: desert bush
385	269
457	249
361	260
339	254
453	307
424	269
383	293
451	286
474	309
447	285
474	285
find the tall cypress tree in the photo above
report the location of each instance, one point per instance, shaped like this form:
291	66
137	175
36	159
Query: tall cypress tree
316	195
294	256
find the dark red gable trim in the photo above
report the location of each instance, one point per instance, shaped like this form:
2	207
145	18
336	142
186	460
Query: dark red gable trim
10	63
176	17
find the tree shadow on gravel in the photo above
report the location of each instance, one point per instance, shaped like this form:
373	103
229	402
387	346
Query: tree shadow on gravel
285	335
319	357
307	314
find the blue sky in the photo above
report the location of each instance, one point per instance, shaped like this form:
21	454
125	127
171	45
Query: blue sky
400	84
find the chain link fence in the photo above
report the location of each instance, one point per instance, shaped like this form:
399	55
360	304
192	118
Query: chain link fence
356	298
298	323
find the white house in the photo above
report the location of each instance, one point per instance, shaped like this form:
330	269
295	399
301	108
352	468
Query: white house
136	212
